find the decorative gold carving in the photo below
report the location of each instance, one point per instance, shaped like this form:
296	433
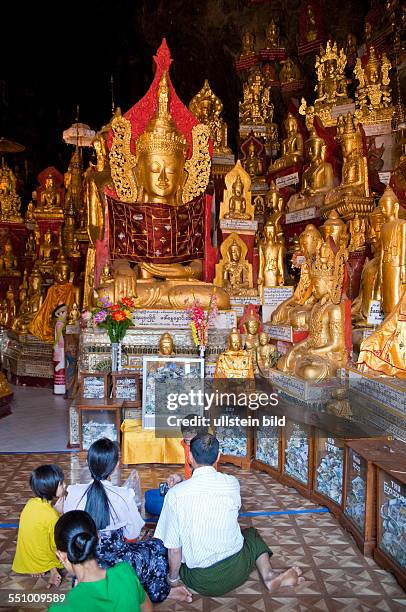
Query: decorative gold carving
373	96
256	108
234	272
199	165
207	108
122	161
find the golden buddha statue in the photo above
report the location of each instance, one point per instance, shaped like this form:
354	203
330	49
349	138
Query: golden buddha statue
334	228
265	353
354	181
276	210
50	198
44	262
384	351
248	45
166	345
271	259
31	304
207	108
290	72
74	314
357	234
317	178
8	261
61	292
311	25
324	350
370	288
272	35
10	202
73	181
233	272
3	313
295	310
30	213
256	107
31	247
236	202
373	96
252	164
117	283
234	362
292	145
339	404
351	49
11	303
392	269
252	325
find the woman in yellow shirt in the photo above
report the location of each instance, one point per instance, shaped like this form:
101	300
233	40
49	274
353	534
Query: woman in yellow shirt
35	553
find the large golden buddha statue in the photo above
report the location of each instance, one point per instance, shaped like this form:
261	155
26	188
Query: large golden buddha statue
350	195
324	350
160	167
373	96
207	108
292	145
317	178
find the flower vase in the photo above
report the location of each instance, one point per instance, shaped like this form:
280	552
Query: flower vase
202	351
115	356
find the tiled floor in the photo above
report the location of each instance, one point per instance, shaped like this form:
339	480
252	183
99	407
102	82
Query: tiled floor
338	577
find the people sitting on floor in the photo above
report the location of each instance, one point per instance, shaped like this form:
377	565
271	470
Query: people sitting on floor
35	552
96	589
118	520
199	526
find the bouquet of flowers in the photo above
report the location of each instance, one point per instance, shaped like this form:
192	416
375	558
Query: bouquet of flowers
200	320
115	318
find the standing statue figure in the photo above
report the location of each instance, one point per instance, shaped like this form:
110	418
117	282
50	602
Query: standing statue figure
73	181
292	145
59	317
207	108
10	202
311	26
271	259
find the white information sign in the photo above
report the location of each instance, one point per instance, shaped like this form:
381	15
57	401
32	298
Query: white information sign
239	225
375	314
178	319
289	179
301	215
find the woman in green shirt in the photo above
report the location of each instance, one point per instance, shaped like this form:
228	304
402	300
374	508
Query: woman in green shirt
116	589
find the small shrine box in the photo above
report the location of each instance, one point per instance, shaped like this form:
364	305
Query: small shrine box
390	551
360	486
94	385
99	419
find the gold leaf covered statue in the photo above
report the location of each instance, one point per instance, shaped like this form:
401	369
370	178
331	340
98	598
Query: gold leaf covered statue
10	202
271	259
32	302
45	262
253	164
317	178
357	234
324	350
251	326
292	145
276	210
349	196
166	345
290	72
272	35
234	362
236	202
49	199
256	108
373	96
207	108
248	45
234	272
334	229
8	261
265	353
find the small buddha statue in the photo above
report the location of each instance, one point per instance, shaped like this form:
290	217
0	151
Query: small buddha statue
30	213
272	36
8	261
4	316
357	234
367	34
354	181
234	362
276	210
117	283
370	288
351	49
339	404
248	45
252	325
74	314
317	178
50	198
289	72
332	83
292	145
373	96
256	107
46	247
236	274
311	25
30	247
252	164
207	108
392	267
32	303
166	345
5	388
271	259
324	350
11	303
237	202
265	353
10	202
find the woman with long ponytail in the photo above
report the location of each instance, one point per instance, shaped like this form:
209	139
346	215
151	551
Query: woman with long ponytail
117	519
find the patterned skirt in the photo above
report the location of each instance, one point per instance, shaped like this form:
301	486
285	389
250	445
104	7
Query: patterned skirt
149	558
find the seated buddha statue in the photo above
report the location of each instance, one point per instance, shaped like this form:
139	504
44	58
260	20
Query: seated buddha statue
248	45
30	213
311	25
324	350
354	181
8	261
265	353
295	310
357	234
271	259
10	202
236	275
272	35
237	202
45	262
50	198
292	145
235	362
252	164
31	304
289	72
317	178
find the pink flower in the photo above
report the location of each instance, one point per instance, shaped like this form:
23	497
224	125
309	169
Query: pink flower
100	316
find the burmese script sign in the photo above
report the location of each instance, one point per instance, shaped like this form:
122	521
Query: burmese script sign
301	215
178	319
239	225
389	395
289	179
280	332
273	296
375	314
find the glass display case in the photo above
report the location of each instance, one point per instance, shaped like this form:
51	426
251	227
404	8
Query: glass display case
329	467
235	445
126	386
356	490
298	455
99	420
391	516
267	448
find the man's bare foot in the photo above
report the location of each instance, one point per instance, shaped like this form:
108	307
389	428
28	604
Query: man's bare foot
180	593
37	575
54	579
292	577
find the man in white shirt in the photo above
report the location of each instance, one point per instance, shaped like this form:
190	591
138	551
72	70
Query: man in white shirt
199	527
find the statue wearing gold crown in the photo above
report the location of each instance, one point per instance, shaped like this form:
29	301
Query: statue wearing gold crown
160	167
256	107
207	108
325	349
373	96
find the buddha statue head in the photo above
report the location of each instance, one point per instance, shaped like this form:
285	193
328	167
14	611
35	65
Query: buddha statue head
263	338
234	340
238	187
252	325
335	228
49	182
389	204
327	274
234	252
315	148
35	281
349	136
62	269
269	231
290	124
166	345
310	241
161	155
